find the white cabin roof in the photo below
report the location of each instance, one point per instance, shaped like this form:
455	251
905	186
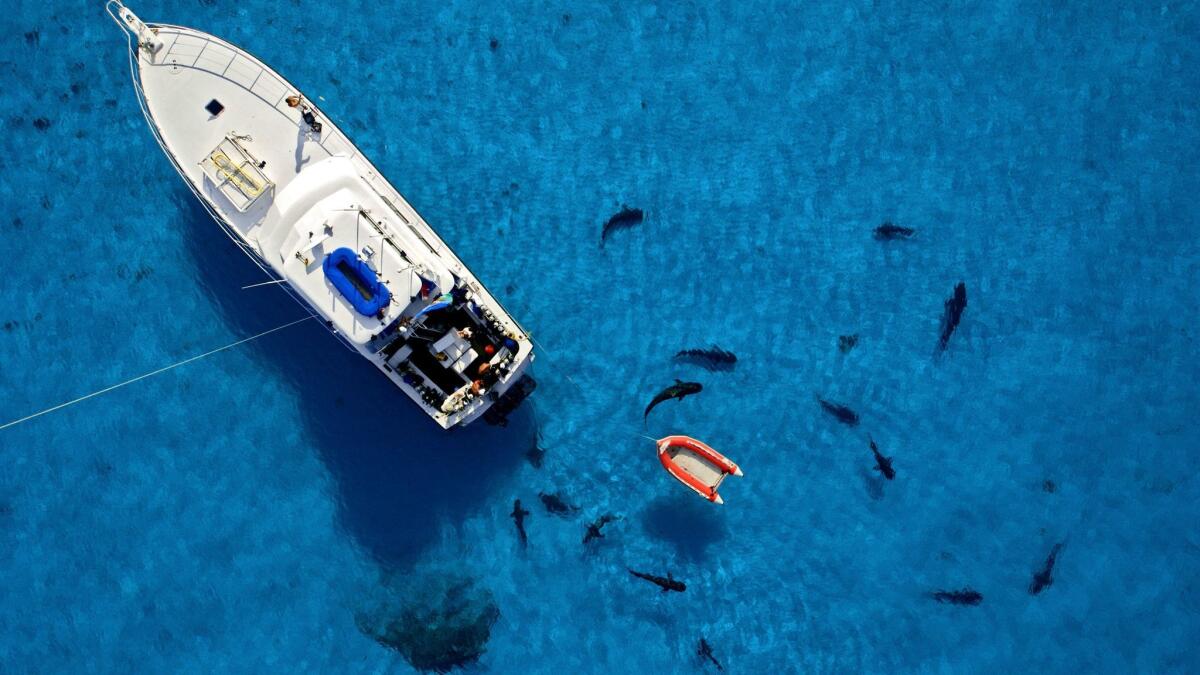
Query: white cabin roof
328	206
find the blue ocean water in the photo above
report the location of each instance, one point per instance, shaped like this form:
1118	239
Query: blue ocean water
239	514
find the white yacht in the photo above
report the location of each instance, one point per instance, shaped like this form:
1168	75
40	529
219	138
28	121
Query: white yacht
299	198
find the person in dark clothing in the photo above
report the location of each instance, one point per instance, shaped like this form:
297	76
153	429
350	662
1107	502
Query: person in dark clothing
306	113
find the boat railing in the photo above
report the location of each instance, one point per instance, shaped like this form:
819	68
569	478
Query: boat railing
266	85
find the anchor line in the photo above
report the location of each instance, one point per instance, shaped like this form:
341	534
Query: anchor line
152	373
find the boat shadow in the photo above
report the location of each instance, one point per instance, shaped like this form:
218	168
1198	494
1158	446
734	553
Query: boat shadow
398	475
686	522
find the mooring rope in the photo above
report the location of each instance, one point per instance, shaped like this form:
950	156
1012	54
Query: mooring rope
60	406
551	357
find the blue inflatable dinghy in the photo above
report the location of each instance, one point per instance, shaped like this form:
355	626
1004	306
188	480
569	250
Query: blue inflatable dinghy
356	281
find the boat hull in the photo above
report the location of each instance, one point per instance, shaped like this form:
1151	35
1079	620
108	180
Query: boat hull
179	81
696	465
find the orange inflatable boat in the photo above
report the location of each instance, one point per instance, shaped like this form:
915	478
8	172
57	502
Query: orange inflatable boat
696	465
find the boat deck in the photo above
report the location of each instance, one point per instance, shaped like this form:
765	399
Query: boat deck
193	69
697	466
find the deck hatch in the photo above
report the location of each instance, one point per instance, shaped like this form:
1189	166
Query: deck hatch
236	174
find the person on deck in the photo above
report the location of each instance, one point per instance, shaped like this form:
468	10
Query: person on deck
306	113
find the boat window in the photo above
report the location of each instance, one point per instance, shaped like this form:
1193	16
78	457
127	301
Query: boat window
214	107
